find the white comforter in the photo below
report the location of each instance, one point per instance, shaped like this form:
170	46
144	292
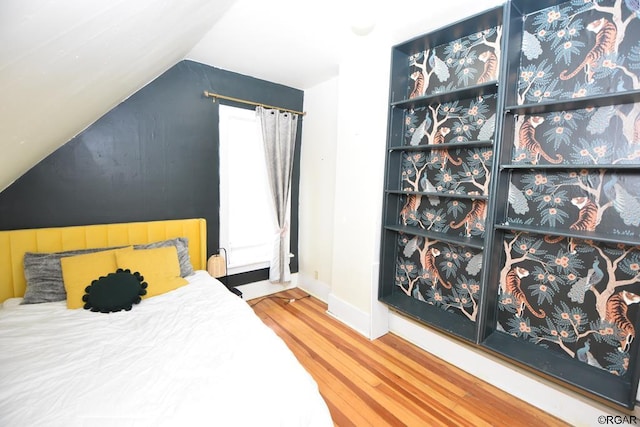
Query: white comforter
196	356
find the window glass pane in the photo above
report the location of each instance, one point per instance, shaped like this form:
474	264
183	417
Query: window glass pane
247	224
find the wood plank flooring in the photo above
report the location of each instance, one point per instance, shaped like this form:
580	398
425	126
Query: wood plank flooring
388	381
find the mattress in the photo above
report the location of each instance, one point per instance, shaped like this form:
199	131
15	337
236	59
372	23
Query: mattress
197	355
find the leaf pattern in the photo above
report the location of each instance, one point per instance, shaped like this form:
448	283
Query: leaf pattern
560	37
556	198
456	64
413	280
572	287
570	134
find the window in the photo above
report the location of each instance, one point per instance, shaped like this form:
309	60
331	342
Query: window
247	220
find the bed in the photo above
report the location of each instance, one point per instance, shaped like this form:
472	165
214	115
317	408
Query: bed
193	355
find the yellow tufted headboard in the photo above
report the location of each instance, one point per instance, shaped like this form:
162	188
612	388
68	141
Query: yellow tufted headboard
14	244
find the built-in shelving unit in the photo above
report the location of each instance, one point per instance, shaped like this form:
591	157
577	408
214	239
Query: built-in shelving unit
512	204
562	296
443	111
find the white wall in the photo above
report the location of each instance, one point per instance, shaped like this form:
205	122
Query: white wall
317	188
362	123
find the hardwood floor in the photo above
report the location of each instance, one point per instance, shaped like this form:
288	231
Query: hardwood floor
387	381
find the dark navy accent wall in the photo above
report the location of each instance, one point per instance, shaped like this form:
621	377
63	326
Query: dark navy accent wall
153	157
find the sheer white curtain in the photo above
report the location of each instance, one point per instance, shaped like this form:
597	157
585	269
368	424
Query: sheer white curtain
279	135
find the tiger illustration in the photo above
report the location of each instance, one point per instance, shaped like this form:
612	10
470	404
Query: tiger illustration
477	214
512	287
439	138
606	33
588	215
411	205
490	71
418	84
587	220
428	261
527	141
616	313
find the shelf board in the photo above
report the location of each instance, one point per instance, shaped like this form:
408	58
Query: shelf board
447	145
584	235
444	321
593	381
441	195
449	32
454	95
628	97
571	167
472	242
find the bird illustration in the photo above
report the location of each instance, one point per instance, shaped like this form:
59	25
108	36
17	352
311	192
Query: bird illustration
609	187
599	122
584	355
410	247
633	6
517	200
416	293
627	206
429	188
420	131
439	67
487	129
580	288
531	46
475	264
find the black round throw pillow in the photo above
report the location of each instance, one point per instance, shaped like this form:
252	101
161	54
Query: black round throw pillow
114	292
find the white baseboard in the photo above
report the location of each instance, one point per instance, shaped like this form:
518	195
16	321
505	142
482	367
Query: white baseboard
348	314
314	287
265	287
574	409
379	324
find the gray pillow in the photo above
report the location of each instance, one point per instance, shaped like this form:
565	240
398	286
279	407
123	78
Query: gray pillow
43	274
43	271
182	245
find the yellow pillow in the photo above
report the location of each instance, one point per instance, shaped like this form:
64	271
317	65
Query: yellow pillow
159	267
79	271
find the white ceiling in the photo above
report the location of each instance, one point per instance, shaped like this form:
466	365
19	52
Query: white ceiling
63	64
301	43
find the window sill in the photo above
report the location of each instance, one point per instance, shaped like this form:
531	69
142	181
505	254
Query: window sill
243	268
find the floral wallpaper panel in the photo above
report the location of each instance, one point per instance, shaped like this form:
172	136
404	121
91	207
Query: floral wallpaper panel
574	297
580	48
467	61
587	200
593	136
439	274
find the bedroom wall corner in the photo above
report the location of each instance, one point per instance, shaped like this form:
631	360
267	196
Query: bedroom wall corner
362	121
349	314
314	287
317	188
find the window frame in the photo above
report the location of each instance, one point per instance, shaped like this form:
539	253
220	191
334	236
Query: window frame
227	112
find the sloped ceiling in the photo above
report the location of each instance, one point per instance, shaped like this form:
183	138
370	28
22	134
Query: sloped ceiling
63	64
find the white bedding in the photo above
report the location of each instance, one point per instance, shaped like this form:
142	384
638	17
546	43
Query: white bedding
196	356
